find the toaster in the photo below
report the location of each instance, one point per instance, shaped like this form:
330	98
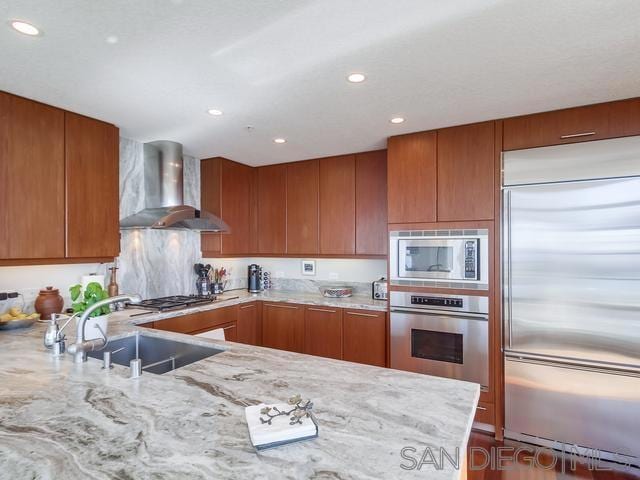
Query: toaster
379	289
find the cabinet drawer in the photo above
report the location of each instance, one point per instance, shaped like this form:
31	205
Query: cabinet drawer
198	322
580	124
230	331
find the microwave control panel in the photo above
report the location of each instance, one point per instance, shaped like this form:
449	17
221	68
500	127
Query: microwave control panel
470	260
436	301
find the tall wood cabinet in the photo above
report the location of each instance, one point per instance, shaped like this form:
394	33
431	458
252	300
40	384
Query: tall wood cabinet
272	209
466	159
338	205
411	177
31	179
60	186
302	207
92	187
371	203
228	190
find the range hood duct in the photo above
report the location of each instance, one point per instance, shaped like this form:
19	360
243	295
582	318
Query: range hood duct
164	201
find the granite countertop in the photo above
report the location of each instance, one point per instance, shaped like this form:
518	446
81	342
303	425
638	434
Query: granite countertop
233	297
61	420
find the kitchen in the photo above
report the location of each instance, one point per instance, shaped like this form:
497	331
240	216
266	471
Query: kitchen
456	273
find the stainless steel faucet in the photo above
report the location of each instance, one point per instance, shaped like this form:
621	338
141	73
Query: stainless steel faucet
81	347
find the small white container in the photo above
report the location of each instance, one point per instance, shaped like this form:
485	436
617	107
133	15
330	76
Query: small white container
91	331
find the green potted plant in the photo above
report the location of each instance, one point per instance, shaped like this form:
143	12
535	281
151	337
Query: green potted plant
93	293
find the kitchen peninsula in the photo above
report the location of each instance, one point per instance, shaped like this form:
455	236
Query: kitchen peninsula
61	420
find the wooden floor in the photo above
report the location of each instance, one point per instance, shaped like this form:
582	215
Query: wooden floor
546	466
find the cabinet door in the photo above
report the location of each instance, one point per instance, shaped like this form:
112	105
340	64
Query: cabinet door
248	320
570	125
466	159
338	205
283	327
323	332
199	322
272	205
365	337
236	183
31	179
302	207
624	118
92	157
229	329
210	198
371	203
411	178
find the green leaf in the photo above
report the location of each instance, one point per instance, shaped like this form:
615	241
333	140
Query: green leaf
75	292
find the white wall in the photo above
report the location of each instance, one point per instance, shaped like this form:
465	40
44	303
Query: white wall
28	280
348	270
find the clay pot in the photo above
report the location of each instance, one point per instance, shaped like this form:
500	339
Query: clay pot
49	301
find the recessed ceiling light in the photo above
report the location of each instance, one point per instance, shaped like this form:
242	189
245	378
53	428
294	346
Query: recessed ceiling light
397	120
279	140
24	27
356	77
215	112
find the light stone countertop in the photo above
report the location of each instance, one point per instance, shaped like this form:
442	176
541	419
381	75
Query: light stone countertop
60	420
357	302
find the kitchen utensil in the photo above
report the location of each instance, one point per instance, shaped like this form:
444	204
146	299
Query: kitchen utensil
49	301
337	291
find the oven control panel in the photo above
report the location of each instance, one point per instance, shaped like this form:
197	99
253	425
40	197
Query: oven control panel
470	260
437	301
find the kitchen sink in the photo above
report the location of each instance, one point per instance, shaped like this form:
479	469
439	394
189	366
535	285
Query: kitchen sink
158	355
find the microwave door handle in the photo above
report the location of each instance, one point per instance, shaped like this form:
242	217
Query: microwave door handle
507	303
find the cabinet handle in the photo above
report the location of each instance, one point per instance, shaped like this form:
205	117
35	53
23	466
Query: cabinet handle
281	306
362	314
321	310
481	408
229	327
246	306
573	135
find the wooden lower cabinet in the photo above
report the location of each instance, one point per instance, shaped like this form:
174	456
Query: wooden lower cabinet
364	337
485	413
283	326
323	332
249	323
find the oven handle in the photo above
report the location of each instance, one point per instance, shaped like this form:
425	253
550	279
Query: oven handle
420	311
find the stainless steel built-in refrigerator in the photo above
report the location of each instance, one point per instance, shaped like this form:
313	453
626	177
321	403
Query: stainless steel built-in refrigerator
571	295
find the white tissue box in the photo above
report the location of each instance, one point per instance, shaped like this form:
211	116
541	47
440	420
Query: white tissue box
280	432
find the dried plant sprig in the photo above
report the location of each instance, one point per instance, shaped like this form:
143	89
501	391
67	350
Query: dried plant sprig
299	411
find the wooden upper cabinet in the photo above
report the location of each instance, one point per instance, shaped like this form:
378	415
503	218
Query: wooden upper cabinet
92	187
272	209
323	332
210	200
365	337
302	207
570	125
338	205
371	203
411	178
32	180
236	207
283	326
227	190
466	172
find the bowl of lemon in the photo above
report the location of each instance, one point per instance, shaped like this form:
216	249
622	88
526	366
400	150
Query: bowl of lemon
16	318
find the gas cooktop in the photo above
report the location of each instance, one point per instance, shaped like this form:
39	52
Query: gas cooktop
174	302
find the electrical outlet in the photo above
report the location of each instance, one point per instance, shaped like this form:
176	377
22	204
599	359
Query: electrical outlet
333	276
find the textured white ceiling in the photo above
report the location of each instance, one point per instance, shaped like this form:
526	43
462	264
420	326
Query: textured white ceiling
280	66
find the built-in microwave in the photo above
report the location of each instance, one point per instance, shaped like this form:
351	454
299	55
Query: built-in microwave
447	258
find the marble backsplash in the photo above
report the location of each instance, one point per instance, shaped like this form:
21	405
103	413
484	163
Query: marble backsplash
155	263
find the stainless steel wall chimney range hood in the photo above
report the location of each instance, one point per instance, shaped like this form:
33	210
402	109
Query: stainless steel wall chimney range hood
164	202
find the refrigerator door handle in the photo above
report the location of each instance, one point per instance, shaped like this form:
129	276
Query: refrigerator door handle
506	267
626	370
